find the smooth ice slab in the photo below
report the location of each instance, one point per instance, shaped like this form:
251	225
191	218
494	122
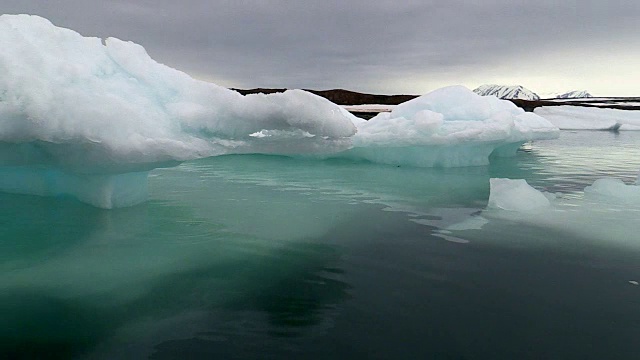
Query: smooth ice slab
590	118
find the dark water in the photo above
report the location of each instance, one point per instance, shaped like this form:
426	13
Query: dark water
269	257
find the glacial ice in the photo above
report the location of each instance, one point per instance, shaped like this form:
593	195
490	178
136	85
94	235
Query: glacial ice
72	107
569	117
89	118
608	210
451	126
613	190
518	195
515	195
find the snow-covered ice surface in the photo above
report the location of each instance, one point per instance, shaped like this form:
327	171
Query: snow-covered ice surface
448	127
74	108
79	115
121	107
589	118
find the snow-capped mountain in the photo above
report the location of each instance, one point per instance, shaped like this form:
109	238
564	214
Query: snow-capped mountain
575	94
507	92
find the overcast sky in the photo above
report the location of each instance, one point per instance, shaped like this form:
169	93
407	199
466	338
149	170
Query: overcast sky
376	46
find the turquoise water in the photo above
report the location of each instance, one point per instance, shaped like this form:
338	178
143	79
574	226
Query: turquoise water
273	257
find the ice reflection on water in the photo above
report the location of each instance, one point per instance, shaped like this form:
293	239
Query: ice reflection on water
257	256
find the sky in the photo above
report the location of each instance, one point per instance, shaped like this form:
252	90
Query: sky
374	46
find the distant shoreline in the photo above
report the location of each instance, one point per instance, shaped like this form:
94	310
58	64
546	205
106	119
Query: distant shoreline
347	97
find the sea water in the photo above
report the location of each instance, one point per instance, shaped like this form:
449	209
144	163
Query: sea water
251	256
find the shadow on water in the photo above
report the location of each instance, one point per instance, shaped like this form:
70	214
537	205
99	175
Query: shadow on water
86	277
33	227
281	296
35	325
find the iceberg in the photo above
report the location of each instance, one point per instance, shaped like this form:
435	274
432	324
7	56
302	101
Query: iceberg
613	190
517	195
448	127
608	210
77	110
568	117
89	118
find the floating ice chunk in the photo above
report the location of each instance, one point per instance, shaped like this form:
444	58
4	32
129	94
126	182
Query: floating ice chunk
569	117
448	127
613	190
608	212
515	195
452	239
61	88
75	106
471	223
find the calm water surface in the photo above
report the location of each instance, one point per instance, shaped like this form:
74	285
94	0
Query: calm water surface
272	257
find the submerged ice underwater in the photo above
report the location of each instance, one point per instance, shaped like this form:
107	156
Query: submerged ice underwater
425	220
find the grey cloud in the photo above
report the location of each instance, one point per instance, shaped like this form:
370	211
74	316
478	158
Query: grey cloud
351	44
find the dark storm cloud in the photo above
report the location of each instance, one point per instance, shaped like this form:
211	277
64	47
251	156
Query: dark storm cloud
351	44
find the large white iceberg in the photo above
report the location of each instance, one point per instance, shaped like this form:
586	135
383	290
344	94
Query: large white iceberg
89	118
451	126
73	107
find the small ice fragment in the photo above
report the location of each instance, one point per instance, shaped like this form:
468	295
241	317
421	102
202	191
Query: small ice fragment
515	195
452	239
472	223
613	191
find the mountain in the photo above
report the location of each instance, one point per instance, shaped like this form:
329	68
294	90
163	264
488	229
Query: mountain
575	94
507	92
